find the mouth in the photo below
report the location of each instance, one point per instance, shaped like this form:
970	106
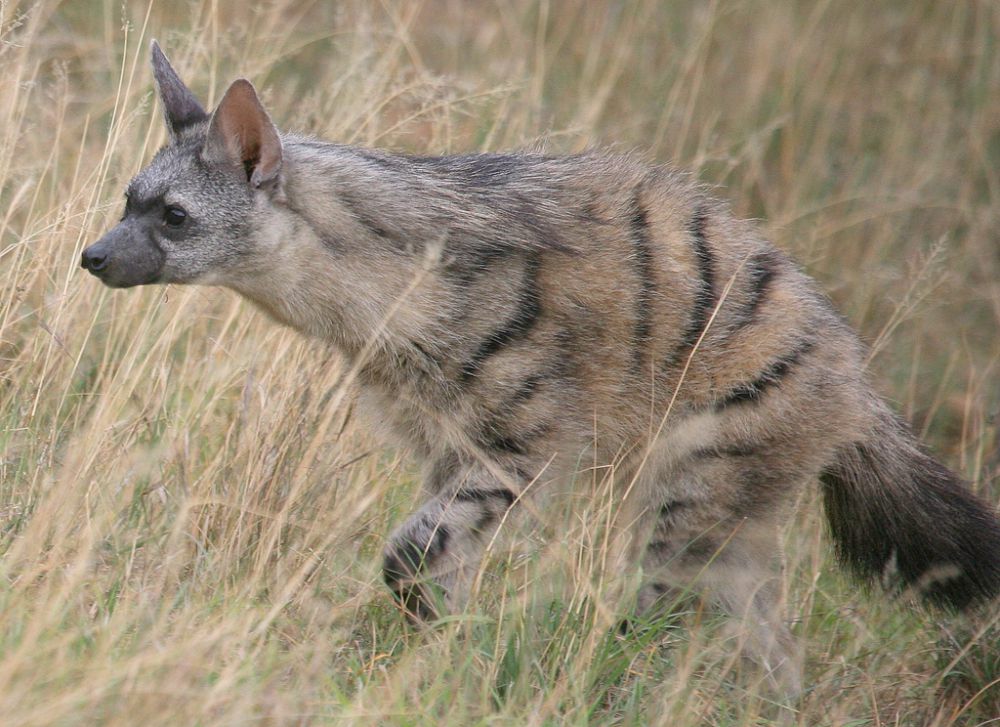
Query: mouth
106	275
99	274
99	270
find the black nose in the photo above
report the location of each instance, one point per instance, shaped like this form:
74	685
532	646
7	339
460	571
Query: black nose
94	259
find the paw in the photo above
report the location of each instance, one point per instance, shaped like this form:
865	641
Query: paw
405	570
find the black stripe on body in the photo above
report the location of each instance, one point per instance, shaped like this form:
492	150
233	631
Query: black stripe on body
540	232
761	271
704	301
768	378
642	262
485	495
515	328
502	443
473	262
744	449
525	391
493	430
492	437
557	369
590	213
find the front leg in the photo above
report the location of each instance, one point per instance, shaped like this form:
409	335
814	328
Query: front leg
433	556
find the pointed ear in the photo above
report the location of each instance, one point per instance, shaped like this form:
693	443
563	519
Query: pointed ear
180	107
241	133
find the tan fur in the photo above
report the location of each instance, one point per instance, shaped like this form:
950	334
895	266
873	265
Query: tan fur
520	319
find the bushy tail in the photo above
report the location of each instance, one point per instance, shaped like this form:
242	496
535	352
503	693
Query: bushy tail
899	515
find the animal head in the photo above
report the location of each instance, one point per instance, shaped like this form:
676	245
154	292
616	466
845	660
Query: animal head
190	214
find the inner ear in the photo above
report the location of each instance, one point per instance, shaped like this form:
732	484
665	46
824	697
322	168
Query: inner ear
241	135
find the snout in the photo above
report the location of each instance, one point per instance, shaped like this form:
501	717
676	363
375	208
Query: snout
128	255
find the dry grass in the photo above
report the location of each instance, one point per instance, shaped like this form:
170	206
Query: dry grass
189	522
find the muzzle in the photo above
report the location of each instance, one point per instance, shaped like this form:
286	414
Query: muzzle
124	257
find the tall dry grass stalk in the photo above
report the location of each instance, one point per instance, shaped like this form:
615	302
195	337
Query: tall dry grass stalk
190	520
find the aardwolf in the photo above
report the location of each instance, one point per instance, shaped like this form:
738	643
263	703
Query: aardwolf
586	308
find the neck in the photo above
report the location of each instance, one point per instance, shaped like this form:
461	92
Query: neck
335	268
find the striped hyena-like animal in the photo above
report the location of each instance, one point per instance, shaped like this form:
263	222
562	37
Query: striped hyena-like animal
582	304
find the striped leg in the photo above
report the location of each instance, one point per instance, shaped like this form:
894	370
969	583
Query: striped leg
432	557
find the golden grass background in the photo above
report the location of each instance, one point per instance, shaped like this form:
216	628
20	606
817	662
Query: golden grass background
190	520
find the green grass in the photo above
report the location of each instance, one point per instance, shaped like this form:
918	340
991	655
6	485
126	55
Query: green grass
190	519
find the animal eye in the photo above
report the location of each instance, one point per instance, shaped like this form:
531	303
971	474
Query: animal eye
174	216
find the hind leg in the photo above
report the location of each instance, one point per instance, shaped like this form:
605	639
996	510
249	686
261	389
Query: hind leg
734	562
746	583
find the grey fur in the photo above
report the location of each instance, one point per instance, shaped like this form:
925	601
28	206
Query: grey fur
512	315
180	107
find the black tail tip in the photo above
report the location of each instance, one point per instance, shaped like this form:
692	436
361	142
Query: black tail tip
911	523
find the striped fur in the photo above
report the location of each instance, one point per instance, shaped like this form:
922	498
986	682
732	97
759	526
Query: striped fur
530	313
